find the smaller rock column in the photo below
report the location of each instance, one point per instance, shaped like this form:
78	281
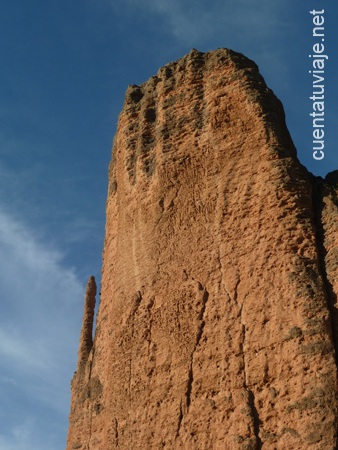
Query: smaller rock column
86	337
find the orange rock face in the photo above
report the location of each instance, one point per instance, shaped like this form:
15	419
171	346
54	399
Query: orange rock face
217	317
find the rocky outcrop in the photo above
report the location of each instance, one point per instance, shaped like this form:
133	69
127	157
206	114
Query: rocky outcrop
217	320
86	338
326	208
85	387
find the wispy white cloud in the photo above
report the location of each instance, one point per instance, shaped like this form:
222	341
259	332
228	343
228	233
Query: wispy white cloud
17	437
41	307
27	434
54	201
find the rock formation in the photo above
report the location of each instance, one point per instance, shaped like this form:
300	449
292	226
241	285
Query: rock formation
217	322
86	338
83	384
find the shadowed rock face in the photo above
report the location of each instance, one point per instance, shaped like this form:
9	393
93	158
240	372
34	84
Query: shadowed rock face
217	321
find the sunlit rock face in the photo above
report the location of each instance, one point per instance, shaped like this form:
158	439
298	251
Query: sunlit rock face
217	321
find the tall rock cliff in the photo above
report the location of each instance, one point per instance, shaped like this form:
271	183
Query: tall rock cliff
218	317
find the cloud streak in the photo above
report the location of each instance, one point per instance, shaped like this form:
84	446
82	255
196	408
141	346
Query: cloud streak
41	307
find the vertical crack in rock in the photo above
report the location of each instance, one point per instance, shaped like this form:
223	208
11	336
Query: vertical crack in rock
116	433
179	422
251	396
236	290
205	297
256	420
86	337
190	382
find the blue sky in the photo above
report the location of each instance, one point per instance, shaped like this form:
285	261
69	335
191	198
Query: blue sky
65	67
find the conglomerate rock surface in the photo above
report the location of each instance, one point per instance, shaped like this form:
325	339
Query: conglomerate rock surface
217	321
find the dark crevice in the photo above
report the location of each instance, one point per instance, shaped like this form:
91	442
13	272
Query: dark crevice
319	188
201	314
116	433
236	290
189	385
180	418
256	420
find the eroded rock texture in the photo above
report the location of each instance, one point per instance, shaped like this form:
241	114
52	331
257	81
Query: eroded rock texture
219	287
